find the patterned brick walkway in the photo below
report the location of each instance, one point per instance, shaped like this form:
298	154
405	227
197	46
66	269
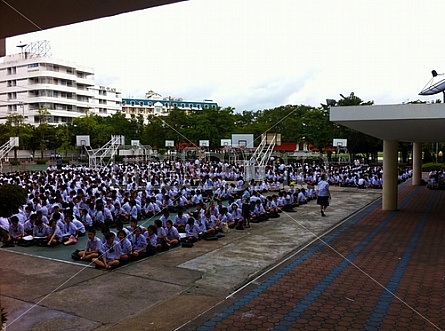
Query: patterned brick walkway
380	270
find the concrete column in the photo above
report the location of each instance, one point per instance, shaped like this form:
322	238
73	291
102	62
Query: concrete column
390	173
417	164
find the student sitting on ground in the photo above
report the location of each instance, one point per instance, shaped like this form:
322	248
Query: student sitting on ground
120	226
181	221
126	249
237	216
191	230
271	208
226	217
55	235
70	231
161	236
110	253
40	233
86	219
139	243
16	231
92	246
172	235
259	213
29	225
80	227
211	223
152	240
165	216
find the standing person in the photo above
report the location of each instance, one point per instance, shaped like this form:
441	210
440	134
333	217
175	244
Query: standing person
246	208
324	195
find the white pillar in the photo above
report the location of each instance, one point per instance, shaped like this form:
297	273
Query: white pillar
417	164
390	174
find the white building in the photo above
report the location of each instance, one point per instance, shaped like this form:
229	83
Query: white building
29	82
106	100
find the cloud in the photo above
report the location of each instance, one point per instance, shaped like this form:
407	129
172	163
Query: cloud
261	54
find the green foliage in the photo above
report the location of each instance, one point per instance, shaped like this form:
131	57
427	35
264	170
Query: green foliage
14	162
427	167
11	198
118	158
295	123
41	161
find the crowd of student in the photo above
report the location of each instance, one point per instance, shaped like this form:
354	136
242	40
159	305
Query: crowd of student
208	197
436	180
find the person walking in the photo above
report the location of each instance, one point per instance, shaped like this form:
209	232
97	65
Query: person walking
324	195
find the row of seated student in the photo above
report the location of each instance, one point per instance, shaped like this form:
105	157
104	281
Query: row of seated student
92	190
135	242
101	216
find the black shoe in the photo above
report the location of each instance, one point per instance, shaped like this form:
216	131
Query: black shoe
323	214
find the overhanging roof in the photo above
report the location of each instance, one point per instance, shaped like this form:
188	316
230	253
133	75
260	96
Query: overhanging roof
408	122
24	16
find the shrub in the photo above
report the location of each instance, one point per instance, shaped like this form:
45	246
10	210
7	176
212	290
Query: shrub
14	162
427	167
11	198
41	161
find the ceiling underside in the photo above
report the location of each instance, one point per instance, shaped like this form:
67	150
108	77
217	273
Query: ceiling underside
408	123
431	130
23	16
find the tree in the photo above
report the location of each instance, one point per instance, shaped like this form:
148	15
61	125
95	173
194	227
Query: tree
359	142
42	129
11	198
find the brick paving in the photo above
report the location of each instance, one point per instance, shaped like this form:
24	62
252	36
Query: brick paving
381	270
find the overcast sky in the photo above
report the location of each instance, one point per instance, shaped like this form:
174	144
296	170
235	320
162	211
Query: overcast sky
257	54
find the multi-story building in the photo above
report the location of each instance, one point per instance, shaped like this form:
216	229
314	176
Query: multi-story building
154	105
106	100
31	82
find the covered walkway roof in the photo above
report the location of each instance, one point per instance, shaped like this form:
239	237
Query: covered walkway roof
405	122
416	123
25	16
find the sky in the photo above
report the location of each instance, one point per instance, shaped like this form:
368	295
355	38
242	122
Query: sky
257	54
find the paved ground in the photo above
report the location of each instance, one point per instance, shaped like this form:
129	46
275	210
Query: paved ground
333	282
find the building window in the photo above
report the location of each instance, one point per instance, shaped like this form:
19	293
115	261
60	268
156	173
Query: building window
150	104
12	83
141	103
123	103
206	106
132	103
12	95
191	106
182	105
33	65
12	70
198	106
12	107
